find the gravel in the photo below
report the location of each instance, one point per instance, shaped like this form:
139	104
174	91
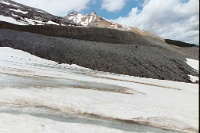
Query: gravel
129	59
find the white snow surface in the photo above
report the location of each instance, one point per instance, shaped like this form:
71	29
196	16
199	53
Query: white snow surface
38	95
7	3
10	20
29	124
85	20
195	65
194	78
51	22
25	21
18	10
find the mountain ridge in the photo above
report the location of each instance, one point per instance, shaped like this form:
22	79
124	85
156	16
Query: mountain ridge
26	15
103	48
34	16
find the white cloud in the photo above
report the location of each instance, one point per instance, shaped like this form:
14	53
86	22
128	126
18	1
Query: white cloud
113	5
172	19
145	3
57	7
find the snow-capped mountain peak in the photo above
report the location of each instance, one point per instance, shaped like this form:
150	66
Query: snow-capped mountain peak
75	17
84	20
94	20
20	14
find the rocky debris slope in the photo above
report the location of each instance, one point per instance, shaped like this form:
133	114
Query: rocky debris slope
103	35
130	59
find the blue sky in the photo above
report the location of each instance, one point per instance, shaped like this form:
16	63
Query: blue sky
95	7
172	19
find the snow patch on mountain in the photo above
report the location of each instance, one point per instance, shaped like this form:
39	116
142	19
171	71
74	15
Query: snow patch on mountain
8	3
75	17
10	20
18	10
78	18
25	21
195	65
194	78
